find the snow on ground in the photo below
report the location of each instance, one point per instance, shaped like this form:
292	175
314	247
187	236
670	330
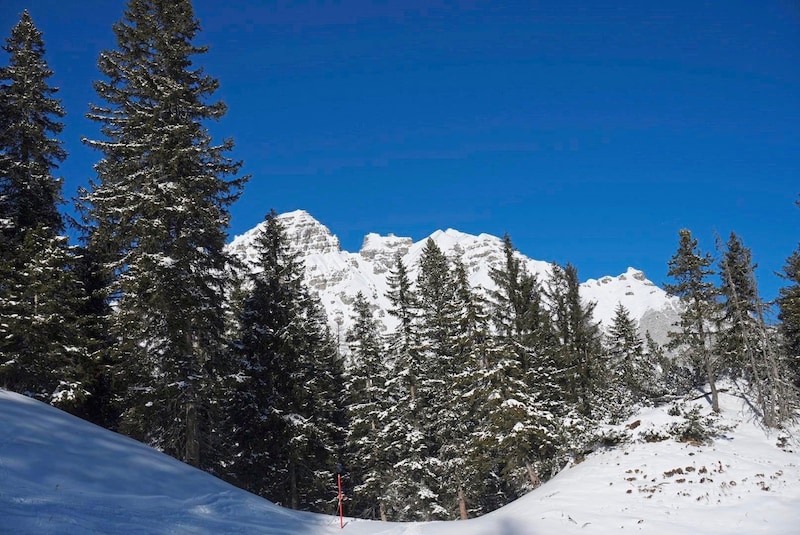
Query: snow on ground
59	474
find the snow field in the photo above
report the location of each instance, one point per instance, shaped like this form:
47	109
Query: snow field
59	474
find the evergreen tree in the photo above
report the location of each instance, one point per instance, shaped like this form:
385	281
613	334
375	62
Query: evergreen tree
469	484
739	332
411	494
41	344
29	148
404	341
745	339
580	349
521	416
445	307
691	268
520	321
101	407
789	313
631	375
286	412
158	213
367	402
437	314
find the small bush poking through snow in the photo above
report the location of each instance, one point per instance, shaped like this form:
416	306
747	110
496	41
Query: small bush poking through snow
695	428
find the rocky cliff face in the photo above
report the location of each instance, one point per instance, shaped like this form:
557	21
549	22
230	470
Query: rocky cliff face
339	275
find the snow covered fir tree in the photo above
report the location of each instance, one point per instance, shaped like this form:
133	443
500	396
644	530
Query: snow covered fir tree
443	379
41	344
155	220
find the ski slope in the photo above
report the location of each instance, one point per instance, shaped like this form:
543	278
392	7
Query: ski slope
59	474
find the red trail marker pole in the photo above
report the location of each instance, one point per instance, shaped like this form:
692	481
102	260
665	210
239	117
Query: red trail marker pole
341	505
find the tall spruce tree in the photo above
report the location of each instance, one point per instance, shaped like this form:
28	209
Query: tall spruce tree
157	214
286	409
41	342
580	350
521	418
691	268
469	484
628	361
367	402
446	306
739	334
29	148
744	340
411	494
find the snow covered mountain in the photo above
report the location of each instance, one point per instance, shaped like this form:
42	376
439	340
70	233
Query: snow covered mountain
60	474
339	275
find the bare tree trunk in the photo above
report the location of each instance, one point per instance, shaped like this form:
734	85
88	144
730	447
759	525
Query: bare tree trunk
533	476
462	504
382	509
707	359
294	499
776	405
754	368
712	382
192	447
192	423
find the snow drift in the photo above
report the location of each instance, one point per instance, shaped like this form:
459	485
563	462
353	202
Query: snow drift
59	474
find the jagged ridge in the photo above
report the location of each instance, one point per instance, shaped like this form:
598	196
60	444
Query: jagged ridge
339	275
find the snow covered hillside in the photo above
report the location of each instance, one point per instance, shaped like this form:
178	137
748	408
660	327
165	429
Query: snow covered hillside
339	275
59	474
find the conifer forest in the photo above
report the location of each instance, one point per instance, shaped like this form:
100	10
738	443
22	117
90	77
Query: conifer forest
148	327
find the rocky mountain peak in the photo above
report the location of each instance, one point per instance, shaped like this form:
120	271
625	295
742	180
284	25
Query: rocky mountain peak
307	235
339	275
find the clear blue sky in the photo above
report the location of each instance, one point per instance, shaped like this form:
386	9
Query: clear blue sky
590	131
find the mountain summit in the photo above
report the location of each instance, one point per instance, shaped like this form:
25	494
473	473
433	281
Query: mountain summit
339	275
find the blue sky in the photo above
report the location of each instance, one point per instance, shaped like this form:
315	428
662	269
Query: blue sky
590	132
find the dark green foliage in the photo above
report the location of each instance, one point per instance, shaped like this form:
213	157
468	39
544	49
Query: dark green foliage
631	375
471	488
42	350
691	268
695	428
520	420
101	407
452	332
746	341
520	319
286	405
789	313
29	150
367	402
440	410
579	348
740	333
40	341
156	217
411	493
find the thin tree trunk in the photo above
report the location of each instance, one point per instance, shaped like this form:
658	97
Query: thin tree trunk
533	476
707	362
192	448
775	404
462	504
382	509
712	383
294	500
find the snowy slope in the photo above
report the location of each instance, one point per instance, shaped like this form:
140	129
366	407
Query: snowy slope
339	275
59	474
